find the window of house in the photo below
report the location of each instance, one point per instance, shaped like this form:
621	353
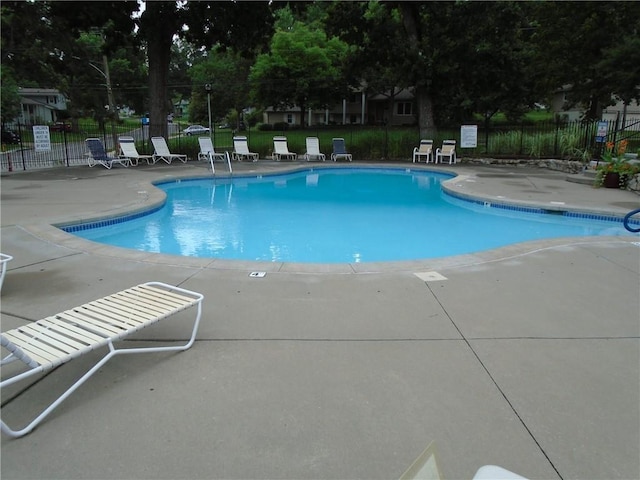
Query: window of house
290	118
404	108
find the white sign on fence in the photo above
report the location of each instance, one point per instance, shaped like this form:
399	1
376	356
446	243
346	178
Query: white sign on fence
468	136
41	139
601	134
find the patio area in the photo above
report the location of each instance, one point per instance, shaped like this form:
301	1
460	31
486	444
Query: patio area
527	357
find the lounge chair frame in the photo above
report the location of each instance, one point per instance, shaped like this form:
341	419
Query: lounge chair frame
340	151
4	260
98	155
313	149
162	152
53	341
448	150
281	150
128	150
425	150
241	150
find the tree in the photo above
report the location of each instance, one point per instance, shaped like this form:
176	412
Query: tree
303	68
240	25
576	45
10	106
378	46
43	45
226	72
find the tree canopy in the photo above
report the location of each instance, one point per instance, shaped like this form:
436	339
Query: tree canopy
459	58
303	68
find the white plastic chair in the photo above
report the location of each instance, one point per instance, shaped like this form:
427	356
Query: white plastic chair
207	152
128	150
162	151
425	150
313	150
448	150
281	150
241	150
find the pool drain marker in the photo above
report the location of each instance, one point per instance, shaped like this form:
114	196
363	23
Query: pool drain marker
430	276
257	274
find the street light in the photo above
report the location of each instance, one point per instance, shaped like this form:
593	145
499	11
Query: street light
208	89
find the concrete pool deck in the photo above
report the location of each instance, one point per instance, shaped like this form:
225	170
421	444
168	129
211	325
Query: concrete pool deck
527	357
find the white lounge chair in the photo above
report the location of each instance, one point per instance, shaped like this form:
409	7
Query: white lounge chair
53	341
98	155
339	150
241	150
313	150
207	152
281	150
448	150
128	150
4	260
162	151
425	150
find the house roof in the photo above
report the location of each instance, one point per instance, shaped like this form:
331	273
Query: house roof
38	91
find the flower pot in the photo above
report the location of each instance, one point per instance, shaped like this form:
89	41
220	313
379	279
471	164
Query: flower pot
612	180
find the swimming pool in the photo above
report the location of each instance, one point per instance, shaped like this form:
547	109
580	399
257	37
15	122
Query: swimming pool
331	215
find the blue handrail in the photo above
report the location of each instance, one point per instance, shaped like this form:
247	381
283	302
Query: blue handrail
627	219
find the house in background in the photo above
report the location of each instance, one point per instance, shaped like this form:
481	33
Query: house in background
356	109
617	112
40	105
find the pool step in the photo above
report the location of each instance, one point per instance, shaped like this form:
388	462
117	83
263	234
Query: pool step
588	177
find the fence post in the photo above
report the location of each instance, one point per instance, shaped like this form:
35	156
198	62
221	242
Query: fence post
66	147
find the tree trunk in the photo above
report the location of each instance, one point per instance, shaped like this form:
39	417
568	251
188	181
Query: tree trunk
424	102
159	54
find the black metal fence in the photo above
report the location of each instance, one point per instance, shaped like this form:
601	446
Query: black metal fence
64	145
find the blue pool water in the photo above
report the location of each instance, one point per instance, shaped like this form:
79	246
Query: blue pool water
331	216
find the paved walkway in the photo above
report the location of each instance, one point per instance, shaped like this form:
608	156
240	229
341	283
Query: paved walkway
526	357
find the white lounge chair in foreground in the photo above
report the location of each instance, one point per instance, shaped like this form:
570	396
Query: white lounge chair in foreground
425	150
98	155
281	150
313	150
241	150
53	341
339	150
162	151
448	150
128	150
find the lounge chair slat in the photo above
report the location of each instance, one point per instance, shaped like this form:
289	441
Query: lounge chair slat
102	319
34	353
50	336
91	325
140	302
73	331
169	300
165	294
120	313
36	349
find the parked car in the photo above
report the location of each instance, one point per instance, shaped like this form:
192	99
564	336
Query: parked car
60	127
9	136
195	130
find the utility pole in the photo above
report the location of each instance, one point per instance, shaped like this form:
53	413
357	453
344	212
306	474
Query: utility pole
112	105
